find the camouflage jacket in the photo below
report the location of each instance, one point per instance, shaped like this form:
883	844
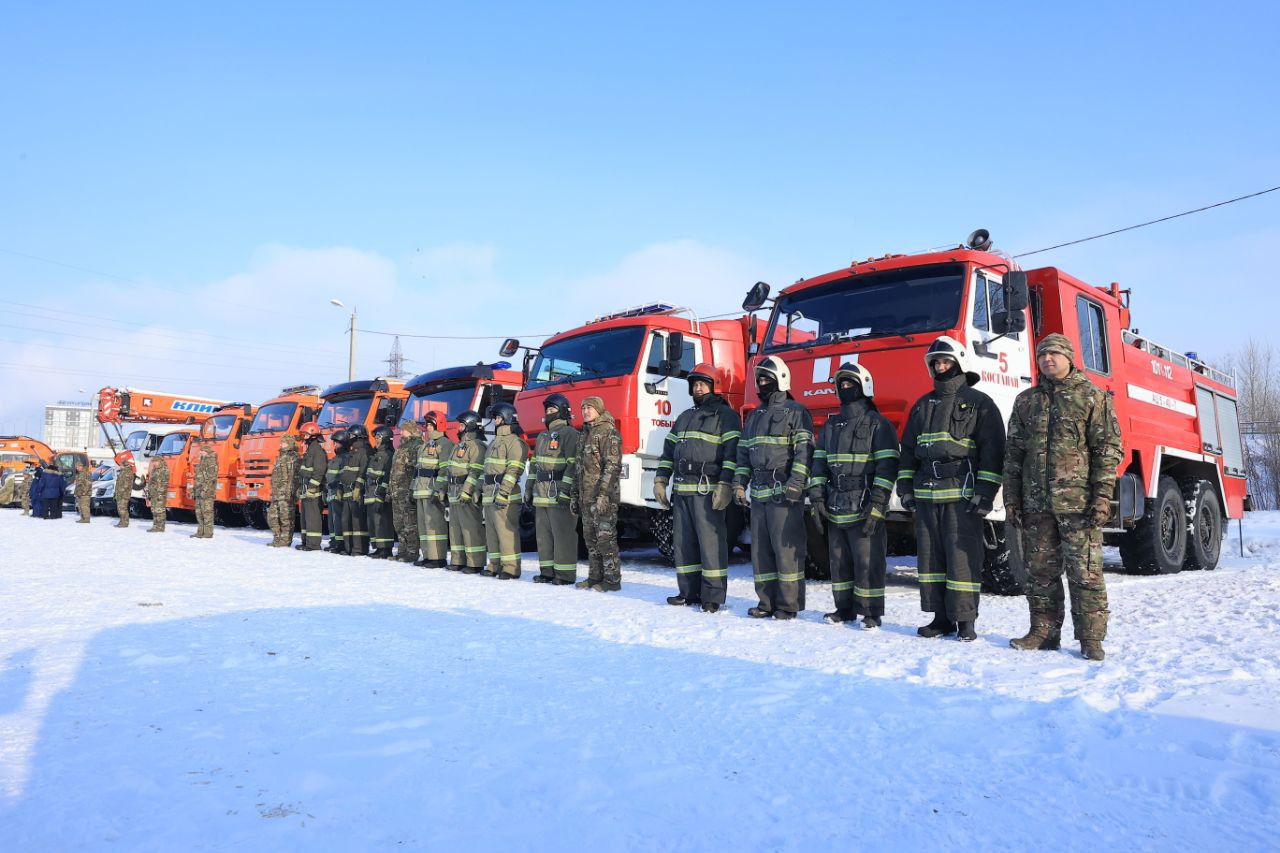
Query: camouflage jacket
124	477
503	466
205	484
84	483
430	467
464	466
404	463
284	476
599	461
776	447
1063	448
855	463
953	445
158	482
555	455
702	448
311	470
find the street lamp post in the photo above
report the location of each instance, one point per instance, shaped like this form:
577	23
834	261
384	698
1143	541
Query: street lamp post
351	358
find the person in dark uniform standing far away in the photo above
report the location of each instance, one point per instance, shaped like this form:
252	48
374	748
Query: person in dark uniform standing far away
1059	475
504	462
430	488
549	490
952	457
854	467
773	460
701	451
336	495
377	494
311	471
355	535
464	471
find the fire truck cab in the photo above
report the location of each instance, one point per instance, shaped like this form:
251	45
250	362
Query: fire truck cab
453	390
1182	471
365	401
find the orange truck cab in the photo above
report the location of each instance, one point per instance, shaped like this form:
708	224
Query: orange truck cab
175	448
365	401
636	360
221	433
276	418
1177	415
454	390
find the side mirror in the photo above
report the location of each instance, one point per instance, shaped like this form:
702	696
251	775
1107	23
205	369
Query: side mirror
672	354
1013	319
756	297
509	347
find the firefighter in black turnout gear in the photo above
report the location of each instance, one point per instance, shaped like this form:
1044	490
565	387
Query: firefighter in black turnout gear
334	495
950	471
311	486
773	460
854	466
356	534
549	490
701	452
377	494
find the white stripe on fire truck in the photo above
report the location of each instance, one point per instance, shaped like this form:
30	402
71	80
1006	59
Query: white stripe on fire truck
1164	401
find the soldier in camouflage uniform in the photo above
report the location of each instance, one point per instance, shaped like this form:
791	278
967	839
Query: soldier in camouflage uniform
83	491
205	489
356	533
701	451
404	515
854	467
377	494
123	486
504	462
335	495
549	490
23	486
1059	475
466	519
773	459
952	456
311	471
158	493
430	486
599	491
284	493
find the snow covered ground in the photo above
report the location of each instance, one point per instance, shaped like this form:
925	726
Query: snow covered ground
164	693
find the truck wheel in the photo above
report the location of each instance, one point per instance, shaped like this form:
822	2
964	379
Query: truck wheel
662	526
1003	571
1158	542
1204	526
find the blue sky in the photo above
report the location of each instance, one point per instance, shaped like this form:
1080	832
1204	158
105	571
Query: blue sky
226	170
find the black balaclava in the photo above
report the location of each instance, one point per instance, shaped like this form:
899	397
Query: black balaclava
850	393
951	372
766	384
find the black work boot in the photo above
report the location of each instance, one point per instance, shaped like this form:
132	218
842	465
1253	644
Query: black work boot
783	615
455	567
836	617
542	579
941	626
680	601
966	633
1092	650
607	586
1043	637
710	607
586	584
559	581
870	622
759	613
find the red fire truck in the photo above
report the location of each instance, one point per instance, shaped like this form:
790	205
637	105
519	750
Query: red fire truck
276	418
453	390
636	361
1183	467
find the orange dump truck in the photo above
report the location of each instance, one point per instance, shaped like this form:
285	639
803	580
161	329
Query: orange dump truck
276	418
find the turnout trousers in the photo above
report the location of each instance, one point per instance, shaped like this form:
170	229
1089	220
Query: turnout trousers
312	523
949	559
502	537
857	569
433	530
280	520
701	540
355	533
1052	545
382	533
338	524
557	530
466	535
778	550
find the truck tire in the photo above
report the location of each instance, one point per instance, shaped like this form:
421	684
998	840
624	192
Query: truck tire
1158	542
662	526
1003	570
1204	526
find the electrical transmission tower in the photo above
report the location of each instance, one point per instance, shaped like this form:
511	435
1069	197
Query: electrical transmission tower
395	361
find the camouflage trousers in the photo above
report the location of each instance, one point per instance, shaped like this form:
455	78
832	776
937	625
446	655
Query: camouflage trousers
204	517
26	499
1071	544
280	520
600	530
159	514
82	507
122	510
404	518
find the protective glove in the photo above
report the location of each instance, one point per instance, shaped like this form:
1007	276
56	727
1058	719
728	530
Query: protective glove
980	505
1100	511
357	492
818	512
382	491
660	492
740	495
602	505
500	499
722	497
908	502
873	522
466	497
792	492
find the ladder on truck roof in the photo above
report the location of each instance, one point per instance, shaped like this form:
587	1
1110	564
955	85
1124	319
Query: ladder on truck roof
1187	360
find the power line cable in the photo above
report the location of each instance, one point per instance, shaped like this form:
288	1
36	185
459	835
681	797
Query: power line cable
456	337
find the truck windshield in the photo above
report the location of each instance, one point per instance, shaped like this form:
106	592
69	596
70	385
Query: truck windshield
893	302
595	355
454	398
274	418
136	441
218	427
345	412
173	444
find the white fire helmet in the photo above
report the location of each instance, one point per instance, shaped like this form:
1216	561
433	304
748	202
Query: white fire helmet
857	373
948	347
777	368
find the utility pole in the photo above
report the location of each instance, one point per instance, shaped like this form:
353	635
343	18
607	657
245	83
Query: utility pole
351	359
